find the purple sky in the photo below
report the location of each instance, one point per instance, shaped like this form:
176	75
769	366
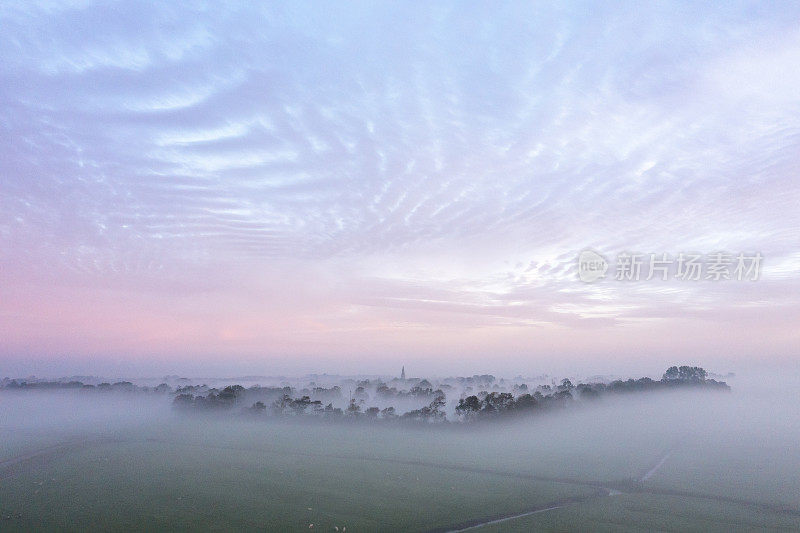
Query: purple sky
347	187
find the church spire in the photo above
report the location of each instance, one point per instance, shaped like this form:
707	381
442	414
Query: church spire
403	373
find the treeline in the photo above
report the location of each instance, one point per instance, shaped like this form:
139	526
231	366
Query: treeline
285	405
119	386
494	404
319	402
478	397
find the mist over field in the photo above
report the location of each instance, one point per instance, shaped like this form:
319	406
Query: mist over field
410	266
687	458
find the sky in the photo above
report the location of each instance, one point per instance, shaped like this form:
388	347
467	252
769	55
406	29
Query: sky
350	187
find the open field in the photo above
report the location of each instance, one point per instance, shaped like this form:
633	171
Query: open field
159	470
189	486
645	512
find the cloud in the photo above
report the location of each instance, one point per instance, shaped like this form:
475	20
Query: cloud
416	151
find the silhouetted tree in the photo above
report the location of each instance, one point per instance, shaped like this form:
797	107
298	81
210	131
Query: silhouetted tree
468	407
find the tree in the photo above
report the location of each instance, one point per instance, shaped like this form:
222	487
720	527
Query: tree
526	402
467	407
436	406
563	396
299	406
183	401
353	409
280	405
385	392
498	401
230	393
587	392
685	373
361	393
692	373
671	374
126	386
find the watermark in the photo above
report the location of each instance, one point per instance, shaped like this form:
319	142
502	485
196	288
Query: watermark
591	266
629	266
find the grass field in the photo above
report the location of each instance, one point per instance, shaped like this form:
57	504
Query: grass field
643	512
159	470
146	485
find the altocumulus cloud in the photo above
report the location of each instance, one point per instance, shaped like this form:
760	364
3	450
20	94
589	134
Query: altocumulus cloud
424	167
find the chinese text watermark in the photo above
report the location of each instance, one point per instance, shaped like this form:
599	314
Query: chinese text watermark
628	266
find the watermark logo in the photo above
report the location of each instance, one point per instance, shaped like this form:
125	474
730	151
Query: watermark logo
717	266
591	266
